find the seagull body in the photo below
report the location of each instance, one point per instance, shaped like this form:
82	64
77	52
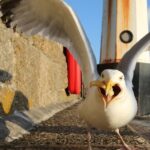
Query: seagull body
110	102
119	112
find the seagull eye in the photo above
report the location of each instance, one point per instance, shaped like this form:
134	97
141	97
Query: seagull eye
121	78
102	75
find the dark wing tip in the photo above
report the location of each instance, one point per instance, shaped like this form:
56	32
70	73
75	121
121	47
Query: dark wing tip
6	7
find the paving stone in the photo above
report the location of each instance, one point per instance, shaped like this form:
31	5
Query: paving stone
66	131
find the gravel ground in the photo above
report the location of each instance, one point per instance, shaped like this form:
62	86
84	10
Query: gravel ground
65	131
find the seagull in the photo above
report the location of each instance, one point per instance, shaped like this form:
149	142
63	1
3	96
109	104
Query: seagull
110	102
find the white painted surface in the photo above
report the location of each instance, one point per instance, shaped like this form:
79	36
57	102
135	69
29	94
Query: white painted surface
119	16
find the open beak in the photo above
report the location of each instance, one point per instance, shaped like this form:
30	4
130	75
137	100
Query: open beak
109	90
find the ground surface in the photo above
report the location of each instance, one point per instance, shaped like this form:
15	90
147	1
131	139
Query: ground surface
65	131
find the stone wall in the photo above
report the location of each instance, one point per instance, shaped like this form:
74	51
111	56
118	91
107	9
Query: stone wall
38	68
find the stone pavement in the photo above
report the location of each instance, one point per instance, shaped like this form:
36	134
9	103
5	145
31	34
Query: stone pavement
15	125
65	131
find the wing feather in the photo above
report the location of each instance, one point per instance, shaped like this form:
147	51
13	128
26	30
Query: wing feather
53	19
128	62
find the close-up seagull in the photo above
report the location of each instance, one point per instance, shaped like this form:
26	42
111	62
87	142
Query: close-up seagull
110	102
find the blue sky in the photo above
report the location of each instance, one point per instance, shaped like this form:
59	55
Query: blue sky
148	2
90	15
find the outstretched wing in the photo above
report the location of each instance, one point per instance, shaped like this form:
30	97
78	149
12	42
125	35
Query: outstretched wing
128	62
53	19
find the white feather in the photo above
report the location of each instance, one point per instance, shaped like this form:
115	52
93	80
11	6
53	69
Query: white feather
118	113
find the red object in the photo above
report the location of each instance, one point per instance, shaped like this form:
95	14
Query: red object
74	74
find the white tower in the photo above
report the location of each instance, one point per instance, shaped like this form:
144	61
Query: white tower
124	23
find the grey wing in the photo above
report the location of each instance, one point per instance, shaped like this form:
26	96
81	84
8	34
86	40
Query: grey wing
128	62
55	20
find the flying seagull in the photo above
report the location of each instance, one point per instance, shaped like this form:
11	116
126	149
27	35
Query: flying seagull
110	102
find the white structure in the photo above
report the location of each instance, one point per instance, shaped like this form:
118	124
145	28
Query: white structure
124	23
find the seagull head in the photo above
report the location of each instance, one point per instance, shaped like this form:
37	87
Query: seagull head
110	85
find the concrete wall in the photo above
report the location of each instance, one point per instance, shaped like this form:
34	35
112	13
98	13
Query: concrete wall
38	68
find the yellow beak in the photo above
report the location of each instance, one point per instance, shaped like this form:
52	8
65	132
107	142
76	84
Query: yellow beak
109	89
107	86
